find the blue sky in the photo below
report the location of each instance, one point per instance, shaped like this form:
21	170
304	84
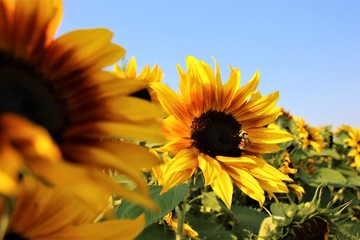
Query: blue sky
307	50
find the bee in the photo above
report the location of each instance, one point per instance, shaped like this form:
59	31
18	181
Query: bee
244	139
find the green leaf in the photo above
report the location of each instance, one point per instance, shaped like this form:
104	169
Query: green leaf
156	231
327	175
299	155
166	203
348	230
325	153
248	218
208	229
210	200
354	181
347	170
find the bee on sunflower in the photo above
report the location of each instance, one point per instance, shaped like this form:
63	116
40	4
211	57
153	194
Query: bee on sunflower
222	130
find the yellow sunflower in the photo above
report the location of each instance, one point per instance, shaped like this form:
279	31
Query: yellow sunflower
354	142
41	212
222	130
343	128
287	169
147	75
58	88
310	136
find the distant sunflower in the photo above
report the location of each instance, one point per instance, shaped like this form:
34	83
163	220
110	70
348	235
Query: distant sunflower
222	130
354	142
41	212
287	169
310	136
59	85
343	128
147	75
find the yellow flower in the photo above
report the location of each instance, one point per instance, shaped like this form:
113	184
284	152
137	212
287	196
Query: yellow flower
287	114
343	128
310	136
41	212
147	75
187	229
287	169
354	142
222	130
298	190
59	85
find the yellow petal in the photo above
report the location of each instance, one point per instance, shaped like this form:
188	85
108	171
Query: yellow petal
102	159
171	103
268	136
210	168
258	107
112	229
230	88
223	188
245	92
248	184
106	130
136	156
183	160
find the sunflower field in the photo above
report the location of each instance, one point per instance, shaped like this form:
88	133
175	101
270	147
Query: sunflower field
91	147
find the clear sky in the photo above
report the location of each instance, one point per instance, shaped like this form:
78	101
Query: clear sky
308	50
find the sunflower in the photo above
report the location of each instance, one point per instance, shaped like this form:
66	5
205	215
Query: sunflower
287	169
354	142
42	212
222	129
57	88
343	128
310	136
147	75
307	220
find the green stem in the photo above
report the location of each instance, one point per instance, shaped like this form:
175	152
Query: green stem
180	212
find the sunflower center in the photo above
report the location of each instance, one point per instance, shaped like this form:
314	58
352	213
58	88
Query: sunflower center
23	90
216	133
143	94
13	236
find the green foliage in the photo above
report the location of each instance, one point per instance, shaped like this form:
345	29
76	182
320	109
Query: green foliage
166	203
156	231
336	204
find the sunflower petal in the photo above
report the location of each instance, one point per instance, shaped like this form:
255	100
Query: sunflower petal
223	187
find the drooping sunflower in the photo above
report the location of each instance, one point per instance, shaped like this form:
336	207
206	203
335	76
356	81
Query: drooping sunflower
222	129
42	212
310	136
307	220
354	142
58	88
147	75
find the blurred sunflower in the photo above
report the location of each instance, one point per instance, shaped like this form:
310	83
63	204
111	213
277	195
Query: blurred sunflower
343	128
147	75
310	136
41	212
222	130
354	142
59	85
287	169
287	114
